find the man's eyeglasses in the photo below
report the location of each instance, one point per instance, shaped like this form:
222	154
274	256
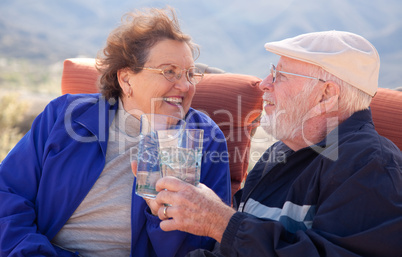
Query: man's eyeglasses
173	73
274	71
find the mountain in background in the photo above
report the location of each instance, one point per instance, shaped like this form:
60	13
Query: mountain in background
231	33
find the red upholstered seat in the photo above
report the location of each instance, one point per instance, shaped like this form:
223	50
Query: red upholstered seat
233	101
386	108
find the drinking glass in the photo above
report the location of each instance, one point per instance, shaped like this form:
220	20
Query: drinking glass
181	158
148	168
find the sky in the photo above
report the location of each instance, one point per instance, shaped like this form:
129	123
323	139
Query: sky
231	33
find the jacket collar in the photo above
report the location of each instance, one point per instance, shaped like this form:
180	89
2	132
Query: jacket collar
352	124
98	118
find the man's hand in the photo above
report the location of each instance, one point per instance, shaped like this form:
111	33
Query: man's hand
197	210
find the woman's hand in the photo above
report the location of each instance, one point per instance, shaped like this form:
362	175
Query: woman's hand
153	205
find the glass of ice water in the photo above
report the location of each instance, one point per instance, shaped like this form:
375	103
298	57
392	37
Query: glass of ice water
182	158
148	167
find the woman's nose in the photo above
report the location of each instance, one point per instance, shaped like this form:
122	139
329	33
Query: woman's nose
182	84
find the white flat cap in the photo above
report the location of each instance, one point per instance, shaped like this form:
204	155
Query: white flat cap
348	56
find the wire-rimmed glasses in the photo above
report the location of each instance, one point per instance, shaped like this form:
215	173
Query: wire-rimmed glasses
273	71
173	73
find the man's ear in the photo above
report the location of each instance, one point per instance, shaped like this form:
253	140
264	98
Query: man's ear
329	97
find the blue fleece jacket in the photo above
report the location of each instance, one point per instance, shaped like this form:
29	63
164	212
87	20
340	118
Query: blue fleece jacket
53	167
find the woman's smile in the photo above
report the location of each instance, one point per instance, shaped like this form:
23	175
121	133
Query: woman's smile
173	100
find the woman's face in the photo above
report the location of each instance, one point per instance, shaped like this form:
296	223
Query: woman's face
151	91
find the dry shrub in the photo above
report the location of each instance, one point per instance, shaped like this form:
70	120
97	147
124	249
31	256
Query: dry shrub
12	113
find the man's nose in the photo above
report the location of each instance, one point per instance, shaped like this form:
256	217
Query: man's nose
266	84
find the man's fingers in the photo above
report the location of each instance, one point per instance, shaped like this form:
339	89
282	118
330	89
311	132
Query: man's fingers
134	168
168	225
174	191
171	184
166	212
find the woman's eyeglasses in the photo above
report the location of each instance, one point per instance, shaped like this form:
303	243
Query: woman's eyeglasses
173	73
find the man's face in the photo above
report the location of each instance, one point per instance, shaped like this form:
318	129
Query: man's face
286	103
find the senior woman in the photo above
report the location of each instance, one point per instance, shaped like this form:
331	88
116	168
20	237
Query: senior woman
66	189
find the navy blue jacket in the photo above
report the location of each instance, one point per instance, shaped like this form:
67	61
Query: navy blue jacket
341	197
51	170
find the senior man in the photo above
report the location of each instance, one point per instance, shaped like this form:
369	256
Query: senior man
331	186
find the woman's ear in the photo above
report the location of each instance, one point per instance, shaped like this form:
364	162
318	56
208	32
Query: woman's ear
123	76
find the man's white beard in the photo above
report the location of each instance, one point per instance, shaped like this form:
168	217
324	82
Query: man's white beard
286	122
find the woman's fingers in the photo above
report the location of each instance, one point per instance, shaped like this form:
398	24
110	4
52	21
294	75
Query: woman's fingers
134	168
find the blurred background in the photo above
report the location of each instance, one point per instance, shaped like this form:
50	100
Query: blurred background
36	37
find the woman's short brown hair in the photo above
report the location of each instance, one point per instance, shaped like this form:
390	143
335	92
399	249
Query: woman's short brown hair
128	45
